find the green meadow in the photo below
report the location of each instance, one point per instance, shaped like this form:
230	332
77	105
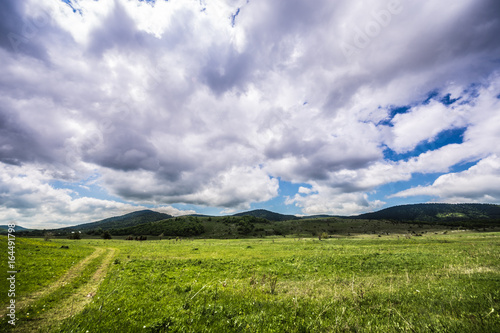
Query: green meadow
365	283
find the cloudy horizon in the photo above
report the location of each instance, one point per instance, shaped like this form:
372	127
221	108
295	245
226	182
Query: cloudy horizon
337	107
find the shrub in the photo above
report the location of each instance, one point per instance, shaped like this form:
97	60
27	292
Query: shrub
75	235
106	235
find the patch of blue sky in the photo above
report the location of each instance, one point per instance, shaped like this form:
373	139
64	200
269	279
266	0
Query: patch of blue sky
277	204
233	17
447	100
70	4
392	113
473	90
384	192
290	189
418	199
462	166
469	94
432	95
152	2
204	210
446	137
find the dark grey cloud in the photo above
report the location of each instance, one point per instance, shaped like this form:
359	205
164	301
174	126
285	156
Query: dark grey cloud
17	31
20	144
117	30
123	149
292	144
26	29
459	43
476	30
226	68
10	20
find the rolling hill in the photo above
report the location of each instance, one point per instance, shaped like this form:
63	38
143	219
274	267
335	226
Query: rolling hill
268	215
436	212
123	221
183	226
4	228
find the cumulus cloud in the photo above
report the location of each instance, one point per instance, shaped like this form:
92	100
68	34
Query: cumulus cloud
236	187
480	183
211	103
422	123
325	199
28	199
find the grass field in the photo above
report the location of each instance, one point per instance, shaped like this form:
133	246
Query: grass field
433	283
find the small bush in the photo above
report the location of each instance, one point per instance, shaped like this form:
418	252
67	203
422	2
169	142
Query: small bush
75	235
106	235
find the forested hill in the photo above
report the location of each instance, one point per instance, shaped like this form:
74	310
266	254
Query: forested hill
4	228
268	215
436	212
123	221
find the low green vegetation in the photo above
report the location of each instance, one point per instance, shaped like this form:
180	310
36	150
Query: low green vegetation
366	283
39	263
233	227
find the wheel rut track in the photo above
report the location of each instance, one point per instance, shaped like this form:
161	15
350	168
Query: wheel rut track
73	304
69	276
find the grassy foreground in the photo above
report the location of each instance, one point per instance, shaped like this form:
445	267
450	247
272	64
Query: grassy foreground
440	283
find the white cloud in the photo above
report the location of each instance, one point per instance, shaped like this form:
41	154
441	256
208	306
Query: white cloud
304	190
235	187
329	200
483	117
424	123
27	198
480	183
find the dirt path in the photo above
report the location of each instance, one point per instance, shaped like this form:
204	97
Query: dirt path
83	295
65	279
74	303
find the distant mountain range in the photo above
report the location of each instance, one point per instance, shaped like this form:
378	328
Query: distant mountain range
429	213
147	216
436	212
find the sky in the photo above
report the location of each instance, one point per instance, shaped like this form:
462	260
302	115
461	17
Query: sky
216	107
